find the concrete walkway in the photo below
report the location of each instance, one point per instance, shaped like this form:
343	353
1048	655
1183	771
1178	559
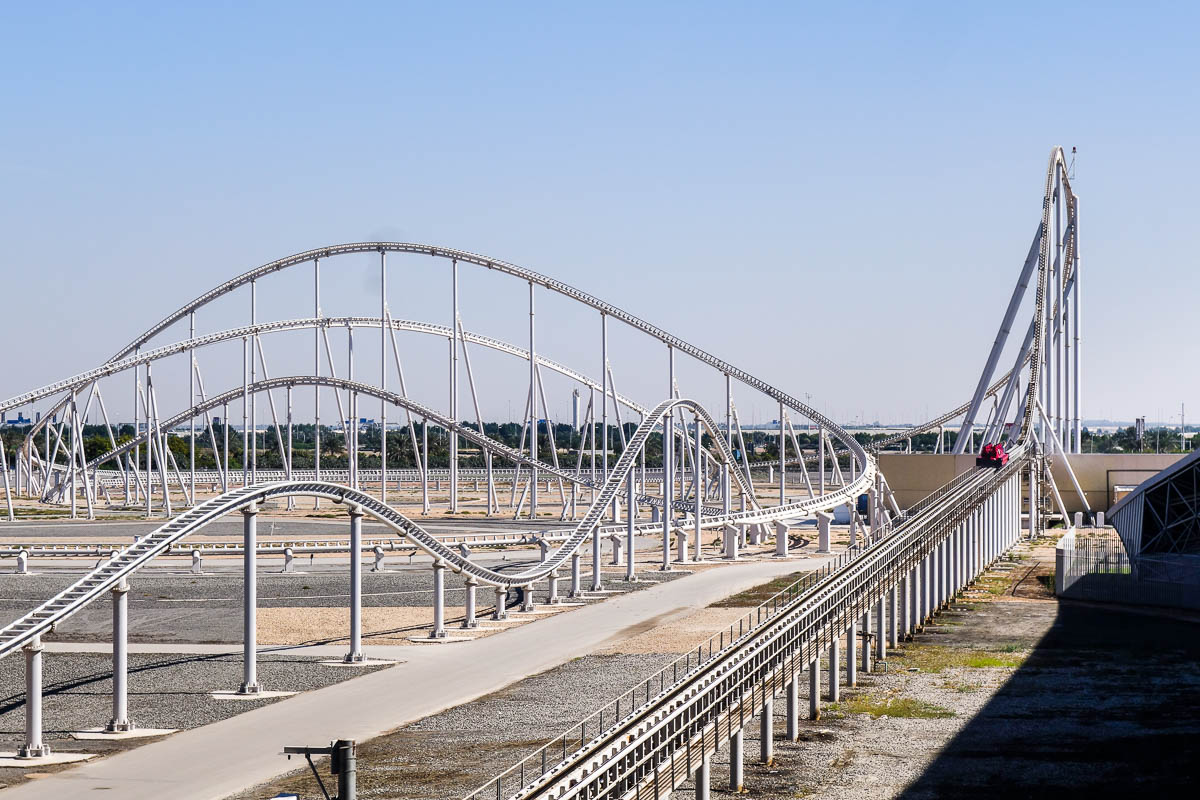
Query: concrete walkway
225	757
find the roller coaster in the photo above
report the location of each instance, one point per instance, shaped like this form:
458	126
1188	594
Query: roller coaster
905	565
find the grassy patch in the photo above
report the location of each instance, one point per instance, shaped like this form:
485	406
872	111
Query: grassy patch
962	687
935	658
907	707
993	585
754	597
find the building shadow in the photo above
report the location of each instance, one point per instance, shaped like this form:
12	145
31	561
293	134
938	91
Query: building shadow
1107	705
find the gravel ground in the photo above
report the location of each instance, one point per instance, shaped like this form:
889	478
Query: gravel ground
78	694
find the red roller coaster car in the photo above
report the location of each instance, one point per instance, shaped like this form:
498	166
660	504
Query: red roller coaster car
992	455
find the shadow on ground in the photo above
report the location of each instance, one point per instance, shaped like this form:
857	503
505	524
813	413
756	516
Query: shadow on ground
1107	704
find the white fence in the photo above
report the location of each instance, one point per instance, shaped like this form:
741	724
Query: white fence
1098	568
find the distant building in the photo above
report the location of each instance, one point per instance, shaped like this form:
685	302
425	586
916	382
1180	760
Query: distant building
14	423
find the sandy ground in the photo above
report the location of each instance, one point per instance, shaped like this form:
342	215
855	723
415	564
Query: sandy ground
677	635
381	625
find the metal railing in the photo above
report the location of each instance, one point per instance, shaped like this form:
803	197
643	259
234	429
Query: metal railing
1097	567
655	725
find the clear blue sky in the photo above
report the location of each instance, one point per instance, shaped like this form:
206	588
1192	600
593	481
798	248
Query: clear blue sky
863	178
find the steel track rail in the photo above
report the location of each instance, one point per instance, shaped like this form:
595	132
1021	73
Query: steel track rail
463	431
861	456
93	585
614	762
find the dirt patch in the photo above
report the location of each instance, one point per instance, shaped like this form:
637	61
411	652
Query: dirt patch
389	625
756	596
679	635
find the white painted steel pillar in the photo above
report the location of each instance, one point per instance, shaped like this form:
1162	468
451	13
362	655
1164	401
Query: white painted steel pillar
469	620
814	688
630	523
866	645
356	653
903	609
439	600
736	760
732	535
834	667
33	747
120	660
881	634
894	616
668	457
597	585
501	611
852	655
792	690
703	778
766	730
454	346
823	537
698	483
250	601
914	600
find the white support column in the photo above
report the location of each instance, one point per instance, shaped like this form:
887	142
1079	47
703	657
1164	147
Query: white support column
576	582
250	601
703	778
852	655
630	524
914	600
792	690
33	747
454	345
894	616
120	660
439	600
736	760
766	731
597	585
881	631
533	426
732	535
356	654
1075	312
814	688
469	620
501	611
668	478
781	539
834	667
866	644
698	482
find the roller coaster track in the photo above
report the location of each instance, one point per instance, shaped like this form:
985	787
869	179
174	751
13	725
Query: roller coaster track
658	744
717	695
94	584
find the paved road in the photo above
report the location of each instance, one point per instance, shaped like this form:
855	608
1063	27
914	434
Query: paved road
219	759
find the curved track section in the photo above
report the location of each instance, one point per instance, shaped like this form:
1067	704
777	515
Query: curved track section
470	434
533	278
93	585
